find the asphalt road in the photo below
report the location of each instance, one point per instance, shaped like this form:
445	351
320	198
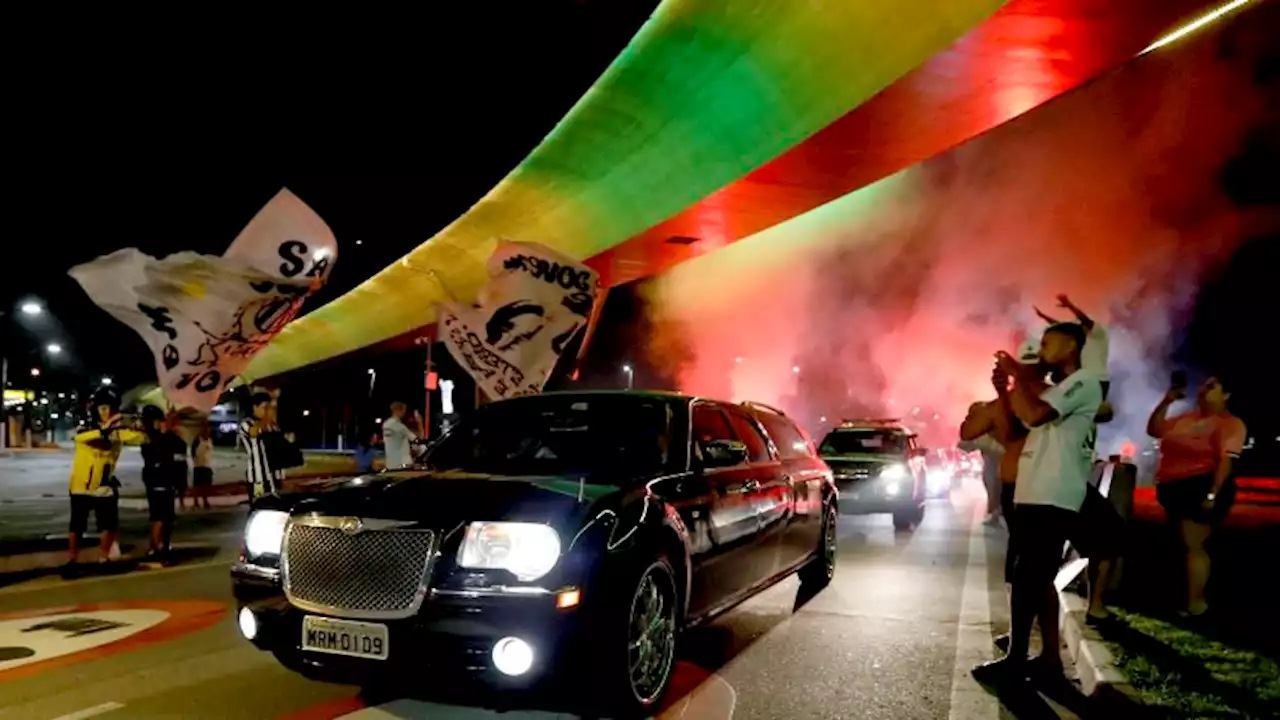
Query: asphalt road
32	475
33	492
892	637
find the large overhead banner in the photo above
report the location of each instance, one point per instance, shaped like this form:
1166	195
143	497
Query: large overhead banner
205	317
535	303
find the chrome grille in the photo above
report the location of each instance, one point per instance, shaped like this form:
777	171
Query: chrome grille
356	568
852	472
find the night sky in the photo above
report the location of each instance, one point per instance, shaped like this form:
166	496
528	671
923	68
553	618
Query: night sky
420	115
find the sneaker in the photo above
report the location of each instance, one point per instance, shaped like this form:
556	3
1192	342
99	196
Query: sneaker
1002	643
1042	668
1098	621
1000	672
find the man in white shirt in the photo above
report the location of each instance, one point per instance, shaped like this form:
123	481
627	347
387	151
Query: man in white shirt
398	439
1053	475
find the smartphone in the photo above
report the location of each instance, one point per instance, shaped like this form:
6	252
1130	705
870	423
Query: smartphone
1179	380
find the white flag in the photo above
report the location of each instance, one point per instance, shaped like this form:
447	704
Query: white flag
534	304
205	317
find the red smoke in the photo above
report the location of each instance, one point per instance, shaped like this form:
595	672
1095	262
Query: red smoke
1109	194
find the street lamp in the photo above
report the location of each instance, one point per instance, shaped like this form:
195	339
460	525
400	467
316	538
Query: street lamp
31	308
35	372
106	381
53	348
631	375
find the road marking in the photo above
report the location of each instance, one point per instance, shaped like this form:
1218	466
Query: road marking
969	700
89	712
29	640
39	640
38	587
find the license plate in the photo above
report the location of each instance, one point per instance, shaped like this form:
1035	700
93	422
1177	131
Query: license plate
344	637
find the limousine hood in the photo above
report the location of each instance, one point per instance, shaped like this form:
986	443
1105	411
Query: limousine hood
447	499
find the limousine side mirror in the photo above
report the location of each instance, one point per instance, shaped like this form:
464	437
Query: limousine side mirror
722	453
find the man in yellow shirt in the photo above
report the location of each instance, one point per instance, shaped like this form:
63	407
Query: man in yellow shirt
93	486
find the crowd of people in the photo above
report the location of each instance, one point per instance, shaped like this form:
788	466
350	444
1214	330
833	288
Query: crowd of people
168	460
1038	438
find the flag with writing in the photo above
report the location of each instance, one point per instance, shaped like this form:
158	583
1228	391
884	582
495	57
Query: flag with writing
535	303
205	317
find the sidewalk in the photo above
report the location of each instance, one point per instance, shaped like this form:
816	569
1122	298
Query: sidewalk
1222	665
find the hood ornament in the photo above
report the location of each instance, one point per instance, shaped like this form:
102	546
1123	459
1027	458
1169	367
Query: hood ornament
351	525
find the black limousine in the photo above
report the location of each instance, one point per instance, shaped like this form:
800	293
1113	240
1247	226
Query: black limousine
565	534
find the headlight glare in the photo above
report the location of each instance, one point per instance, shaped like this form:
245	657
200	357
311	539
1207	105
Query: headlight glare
526	550
264	535
896	471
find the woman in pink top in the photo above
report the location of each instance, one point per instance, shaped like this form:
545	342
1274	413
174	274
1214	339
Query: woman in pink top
1193	479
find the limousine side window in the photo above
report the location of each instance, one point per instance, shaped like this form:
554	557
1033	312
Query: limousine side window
709	424
757	446
791	441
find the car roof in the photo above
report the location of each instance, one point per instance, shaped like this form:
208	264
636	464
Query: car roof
871	425
655	394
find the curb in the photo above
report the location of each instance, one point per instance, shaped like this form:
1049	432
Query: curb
1099	673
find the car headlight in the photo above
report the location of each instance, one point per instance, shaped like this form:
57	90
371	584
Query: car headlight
264	535
526	550
896	471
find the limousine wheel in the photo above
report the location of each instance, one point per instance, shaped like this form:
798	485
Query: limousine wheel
820	571
642	673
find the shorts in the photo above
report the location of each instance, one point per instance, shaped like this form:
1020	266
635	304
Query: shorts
1042	531
1095	532
1098	533
105	509
1183	499
202	477
160	504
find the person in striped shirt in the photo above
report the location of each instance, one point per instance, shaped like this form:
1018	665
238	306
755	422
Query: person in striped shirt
263	480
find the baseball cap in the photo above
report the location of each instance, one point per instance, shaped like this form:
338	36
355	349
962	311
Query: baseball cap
1029	351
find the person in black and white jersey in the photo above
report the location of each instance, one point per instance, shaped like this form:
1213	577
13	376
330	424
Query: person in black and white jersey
263	480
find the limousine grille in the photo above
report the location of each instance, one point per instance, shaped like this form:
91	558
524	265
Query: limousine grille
356	568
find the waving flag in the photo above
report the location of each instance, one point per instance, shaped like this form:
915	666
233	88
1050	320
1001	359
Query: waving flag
205	317
535	303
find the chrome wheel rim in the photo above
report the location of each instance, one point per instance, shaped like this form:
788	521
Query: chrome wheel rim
829	546
651	639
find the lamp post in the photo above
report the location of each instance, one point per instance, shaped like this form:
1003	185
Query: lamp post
31	308
631	375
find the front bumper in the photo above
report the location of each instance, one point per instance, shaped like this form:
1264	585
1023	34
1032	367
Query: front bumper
866	497
451	636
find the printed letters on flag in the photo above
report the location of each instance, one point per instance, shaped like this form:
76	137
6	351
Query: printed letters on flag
534	304
205	317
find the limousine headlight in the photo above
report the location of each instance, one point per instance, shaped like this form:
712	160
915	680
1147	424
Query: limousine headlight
526	550
264	535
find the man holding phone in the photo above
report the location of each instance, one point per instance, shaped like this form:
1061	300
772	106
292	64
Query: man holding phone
1052	485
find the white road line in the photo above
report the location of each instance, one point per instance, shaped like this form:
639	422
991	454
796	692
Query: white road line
44	587
969	701
91	711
